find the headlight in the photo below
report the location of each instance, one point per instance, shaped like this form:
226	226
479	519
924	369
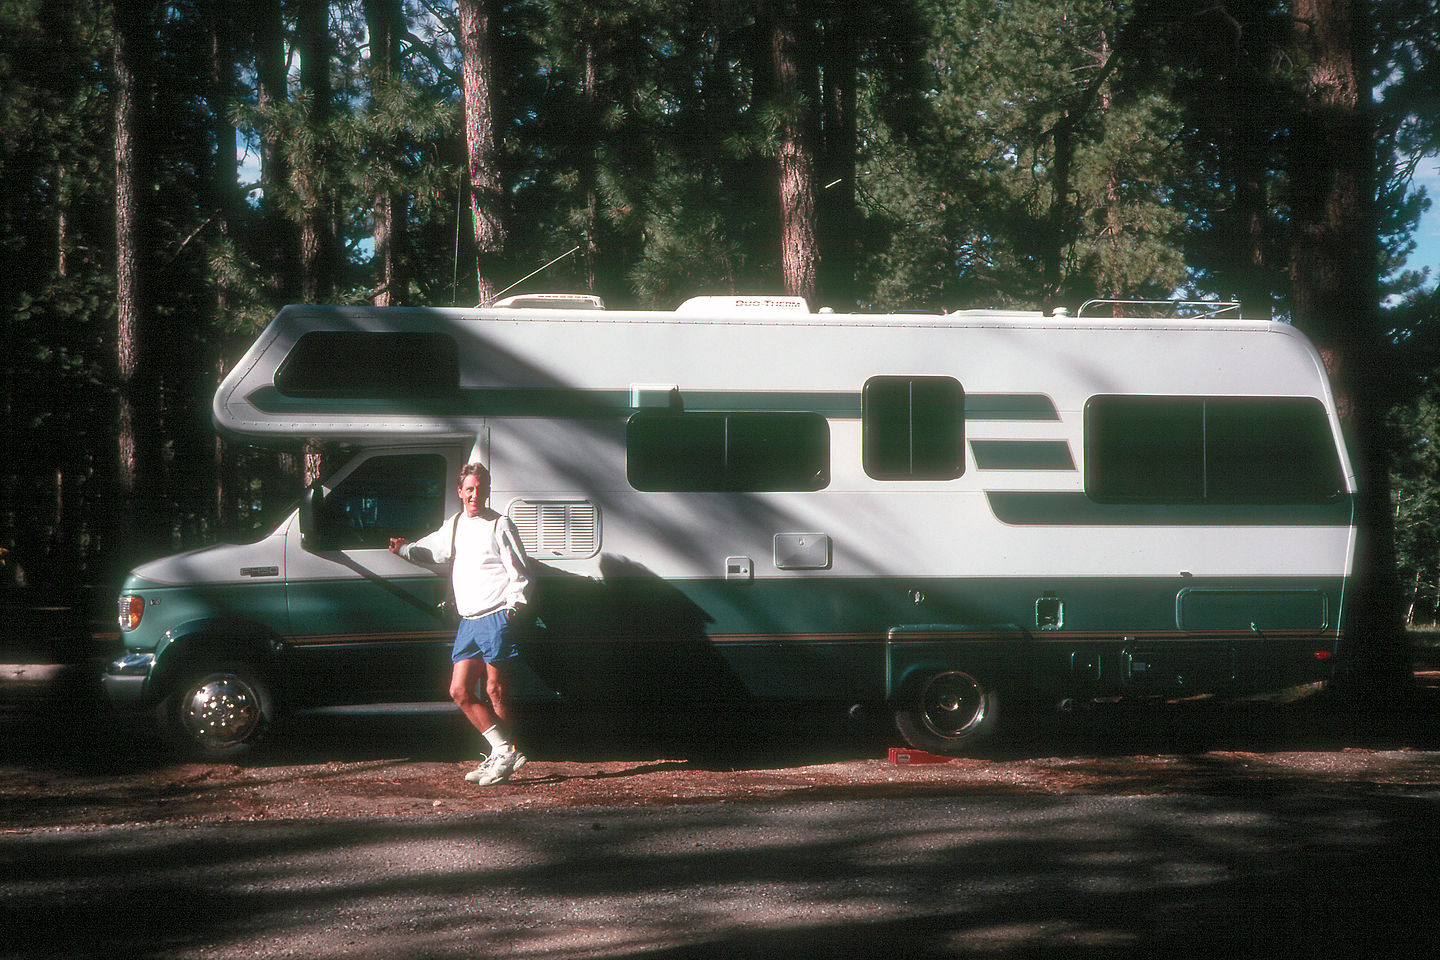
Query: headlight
131	610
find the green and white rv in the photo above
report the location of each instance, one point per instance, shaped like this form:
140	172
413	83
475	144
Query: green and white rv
744	501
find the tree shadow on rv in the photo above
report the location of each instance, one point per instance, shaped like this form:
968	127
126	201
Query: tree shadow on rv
629	638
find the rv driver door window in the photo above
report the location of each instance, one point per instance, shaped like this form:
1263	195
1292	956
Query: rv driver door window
387	496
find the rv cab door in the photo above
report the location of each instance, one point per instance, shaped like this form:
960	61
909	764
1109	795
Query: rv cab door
365	624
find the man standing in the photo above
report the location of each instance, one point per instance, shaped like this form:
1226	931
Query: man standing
489	573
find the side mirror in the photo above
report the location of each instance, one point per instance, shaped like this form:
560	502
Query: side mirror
311	503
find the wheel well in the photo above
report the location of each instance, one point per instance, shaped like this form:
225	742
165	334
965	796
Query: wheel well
214	645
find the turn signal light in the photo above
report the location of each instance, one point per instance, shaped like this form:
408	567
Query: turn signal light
131	609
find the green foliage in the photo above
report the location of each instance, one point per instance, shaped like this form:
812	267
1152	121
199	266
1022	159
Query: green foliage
1006	153
1417	504
1414	425
56	305
980	191
1407	44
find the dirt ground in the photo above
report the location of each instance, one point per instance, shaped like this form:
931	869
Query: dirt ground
61	766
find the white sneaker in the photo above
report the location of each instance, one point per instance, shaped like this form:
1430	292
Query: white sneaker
498	767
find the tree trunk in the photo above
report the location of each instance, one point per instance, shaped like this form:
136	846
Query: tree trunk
271	90
387	26
317	240
839	249
1057	225
317	196
138	454
1334	274
62	224
486	197
226	200
795	84
1245	156
1061	224
591	138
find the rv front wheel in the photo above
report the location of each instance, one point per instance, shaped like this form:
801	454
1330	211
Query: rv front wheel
948	712
218	713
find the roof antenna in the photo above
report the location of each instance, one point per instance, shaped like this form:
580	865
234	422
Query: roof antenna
529	275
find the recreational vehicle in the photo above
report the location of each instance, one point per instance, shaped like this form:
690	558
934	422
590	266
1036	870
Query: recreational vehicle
742	501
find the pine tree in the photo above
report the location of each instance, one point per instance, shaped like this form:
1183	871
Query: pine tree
57	316
481	140
137	382
792	51
314	187
1335	295
387	28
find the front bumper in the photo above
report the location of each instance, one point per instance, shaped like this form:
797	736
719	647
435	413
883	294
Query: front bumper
125	680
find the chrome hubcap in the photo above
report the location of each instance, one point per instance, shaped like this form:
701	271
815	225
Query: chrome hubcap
952	704
220	712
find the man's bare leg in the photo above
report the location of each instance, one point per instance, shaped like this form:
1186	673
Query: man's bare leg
487	718
463	681
496	676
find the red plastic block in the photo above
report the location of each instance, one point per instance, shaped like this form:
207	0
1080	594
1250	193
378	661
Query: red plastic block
906	755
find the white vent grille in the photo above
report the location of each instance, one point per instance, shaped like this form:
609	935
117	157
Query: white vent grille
557	529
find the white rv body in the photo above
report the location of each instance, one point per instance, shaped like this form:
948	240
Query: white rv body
1029	567
750	360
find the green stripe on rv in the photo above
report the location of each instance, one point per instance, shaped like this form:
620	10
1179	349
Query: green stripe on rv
1022	454
848	609
561	403
1045	508
797	608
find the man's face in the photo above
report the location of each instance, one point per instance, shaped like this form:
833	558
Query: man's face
473	494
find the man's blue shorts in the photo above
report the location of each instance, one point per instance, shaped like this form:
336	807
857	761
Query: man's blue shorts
491	637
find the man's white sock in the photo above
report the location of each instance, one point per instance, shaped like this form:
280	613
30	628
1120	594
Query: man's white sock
498	740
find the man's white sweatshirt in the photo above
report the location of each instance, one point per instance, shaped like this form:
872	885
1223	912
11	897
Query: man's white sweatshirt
488	566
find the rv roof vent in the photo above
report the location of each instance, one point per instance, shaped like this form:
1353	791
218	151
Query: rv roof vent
744	305
552	301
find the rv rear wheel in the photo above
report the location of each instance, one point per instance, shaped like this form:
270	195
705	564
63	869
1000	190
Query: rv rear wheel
218	713
948	712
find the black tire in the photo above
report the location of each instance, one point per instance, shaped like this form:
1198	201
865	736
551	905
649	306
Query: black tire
218	712
948	712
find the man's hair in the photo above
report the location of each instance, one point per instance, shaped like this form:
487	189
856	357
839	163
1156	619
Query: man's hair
481	475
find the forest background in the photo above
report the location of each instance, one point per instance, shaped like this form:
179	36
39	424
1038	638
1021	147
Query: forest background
172	173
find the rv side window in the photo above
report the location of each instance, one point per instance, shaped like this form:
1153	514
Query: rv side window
1218	450
913	428
346	364
386	496
714	452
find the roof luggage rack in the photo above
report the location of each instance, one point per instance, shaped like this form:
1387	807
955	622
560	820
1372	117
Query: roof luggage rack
1162	309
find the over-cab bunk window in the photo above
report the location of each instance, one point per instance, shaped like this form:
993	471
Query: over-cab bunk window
913	428
355	365
714	452
1217	450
